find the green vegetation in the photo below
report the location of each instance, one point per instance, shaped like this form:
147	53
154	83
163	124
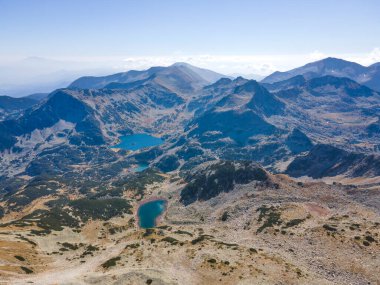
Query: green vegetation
366	243
180	232
200	239
253	250
19	257
103	209
224	216
329	228
369	239
218	178
137	182
27	240
54	219
70	246
234	245
115	230
111	262
89	250
271	215
26	270
148	232
133	245
170	240
293	223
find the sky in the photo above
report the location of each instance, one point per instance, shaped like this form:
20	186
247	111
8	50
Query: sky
48	43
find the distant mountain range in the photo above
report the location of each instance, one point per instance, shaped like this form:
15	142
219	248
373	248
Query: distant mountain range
203	114
182	76
368	76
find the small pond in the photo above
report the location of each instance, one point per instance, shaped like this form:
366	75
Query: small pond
148	213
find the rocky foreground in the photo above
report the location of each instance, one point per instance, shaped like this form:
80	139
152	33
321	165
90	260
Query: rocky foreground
254	228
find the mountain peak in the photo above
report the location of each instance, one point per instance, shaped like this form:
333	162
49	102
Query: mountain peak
187	75
328	66
180	63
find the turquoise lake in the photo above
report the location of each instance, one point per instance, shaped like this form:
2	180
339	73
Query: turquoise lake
149	212
138	141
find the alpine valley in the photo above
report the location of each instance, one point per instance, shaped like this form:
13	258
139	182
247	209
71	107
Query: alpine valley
271	182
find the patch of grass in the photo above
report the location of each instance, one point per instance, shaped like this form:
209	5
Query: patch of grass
271	215
170	240
19	257
369	239
133	245
27	240
224	216
149	232
253	250
70	246
366	243
115	230
329	228
180	232
200	239
293	223
89	250
227	244
111	262
26	270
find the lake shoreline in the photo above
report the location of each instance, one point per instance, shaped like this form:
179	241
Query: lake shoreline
151	199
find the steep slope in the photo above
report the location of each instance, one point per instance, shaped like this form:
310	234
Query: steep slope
238	115
212	94
10	106
326	160
373	80
235	125
328	109
369	76
61	106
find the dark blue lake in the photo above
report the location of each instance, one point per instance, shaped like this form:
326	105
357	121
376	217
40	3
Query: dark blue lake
138	141
149	212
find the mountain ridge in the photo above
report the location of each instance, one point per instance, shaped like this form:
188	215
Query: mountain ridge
368	76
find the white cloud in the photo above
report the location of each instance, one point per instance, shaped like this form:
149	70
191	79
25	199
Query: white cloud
316	55
41	71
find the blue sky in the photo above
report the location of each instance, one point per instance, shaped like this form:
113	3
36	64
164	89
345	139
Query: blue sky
237	36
